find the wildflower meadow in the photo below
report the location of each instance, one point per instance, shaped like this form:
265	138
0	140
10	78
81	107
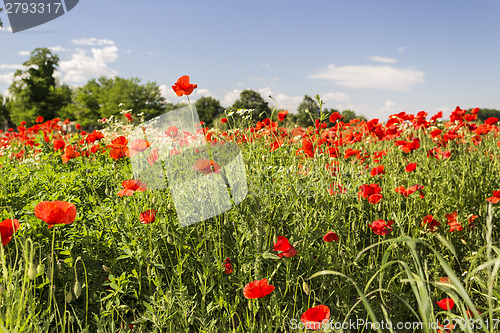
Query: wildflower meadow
354	226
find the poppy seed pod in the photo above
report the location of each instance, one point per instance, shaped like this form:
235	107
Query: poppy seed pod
31	271
77	289
69	297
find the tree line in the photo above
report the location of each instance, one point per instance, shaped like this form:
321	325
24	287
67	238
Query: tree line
36	92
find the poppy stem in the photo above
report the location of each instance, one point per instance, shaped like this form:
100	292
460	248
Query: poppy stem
51	269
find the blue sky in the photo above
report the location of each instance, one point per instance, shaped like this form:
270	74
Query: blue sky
376	57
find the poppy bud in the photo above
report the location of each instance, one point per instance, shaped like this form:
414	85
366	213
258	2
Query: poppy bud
105	268
463	241
40	268
153	201
169	239
263	158
305	287
107	191
169	206
77	289
31	271
1	289
69	297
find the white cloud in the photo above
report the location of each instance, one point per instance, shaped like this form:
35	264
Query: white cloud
82	66
58	49
24	53
92	41
383	59
7	78
332	97
11	66
375	77
6	29
389	108
230	97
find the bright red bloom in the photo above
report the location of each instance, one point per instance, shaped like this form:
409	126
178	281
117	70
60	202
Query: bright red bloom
453	223
7	228
257	289
445	280
148	216
381	228
370	192
56	212
314	317
129	116
58	144
206	166
378	170
228	266
334	117
223	120
183	87
330	236
431	222
495	198
119	148
130	186
39	119
411	167
491	121
78	126
446	304
282	244
69	154
282	115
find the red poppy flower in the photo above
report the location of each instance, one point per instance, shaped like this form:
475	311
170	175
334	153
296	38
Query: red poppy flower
172	131
446	304
70	153
282	244
431	222
223	120
183	87
282	115
129	116
378	170
206	166
314	317
334	117
228	266
130	186
445	280
56	212
153	156
411	167
370	192
58	144
7	228
381	228
495	198
453	223
257	289
39	119
138	146
330	236
148	216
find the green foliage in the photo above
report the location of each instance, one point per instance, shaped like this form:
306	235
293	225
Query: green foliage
250	99
105	97
484	114
307	111
208	109
35	91
4	113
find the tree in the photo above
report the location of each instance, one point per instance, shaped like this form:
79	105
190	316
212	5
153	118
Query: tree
106	97
5	121
208	108
350	115
484	114
35	92
309	107
1	25
250	99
